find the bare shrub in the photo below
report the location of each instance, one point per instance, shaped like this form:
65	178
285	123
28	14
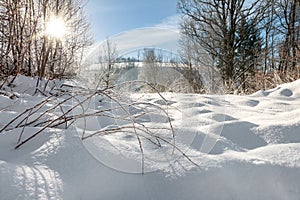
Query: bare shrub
51	112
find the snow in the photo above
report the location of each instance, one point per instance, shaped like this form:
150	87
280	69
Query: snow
246	147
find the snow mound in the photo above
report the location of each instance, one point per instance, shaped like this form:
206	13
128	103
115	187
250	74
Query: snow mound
284	90
246	147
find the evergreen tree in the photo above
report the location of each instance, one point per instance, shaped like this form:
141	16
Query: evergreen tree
248	52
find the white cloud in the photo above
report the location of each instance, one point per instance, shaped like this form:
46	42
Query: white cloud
171	22
164	35
157	37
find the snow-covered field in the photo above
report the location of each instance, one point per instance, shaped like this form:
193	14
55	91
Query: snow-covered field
246	147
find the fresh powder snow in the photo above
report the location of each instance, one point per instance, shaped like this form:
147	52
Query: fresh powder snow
244	147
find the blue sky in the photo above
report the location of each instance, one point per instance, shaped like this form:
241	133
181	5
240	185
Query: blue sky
110	17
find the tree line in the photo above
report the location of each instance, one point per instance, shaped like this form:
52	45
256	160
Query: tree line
242	39
250	43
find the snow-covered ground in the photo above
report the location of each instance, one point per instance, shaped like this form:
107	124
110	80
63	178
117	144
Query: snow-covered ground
246	147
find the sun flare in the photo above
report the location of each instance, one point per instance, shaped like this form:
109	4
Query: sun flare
56	27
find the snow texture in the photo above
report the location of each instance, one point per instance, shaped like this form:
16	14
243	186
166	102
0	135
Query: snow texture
246	147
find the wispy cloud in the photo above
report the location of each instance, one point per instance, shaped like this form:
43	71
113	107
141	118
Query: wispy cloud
171	22
163	35
155	37
147	37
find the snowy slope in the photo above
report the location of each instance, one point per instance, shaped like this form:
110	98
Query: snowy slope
246	147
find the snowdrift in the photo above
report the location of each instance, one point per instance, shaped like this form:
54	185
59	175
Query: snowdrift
246	147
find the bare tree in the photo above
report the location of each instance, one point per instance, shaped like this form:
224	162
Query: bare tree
27	48
107	58
289	18
268	26
193	58
149	71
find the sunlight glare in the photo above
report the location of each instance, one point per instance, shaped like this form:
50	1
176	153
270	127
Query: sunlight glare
56	27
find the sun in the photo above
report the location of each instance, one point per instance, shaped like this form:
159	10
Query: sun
56	27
